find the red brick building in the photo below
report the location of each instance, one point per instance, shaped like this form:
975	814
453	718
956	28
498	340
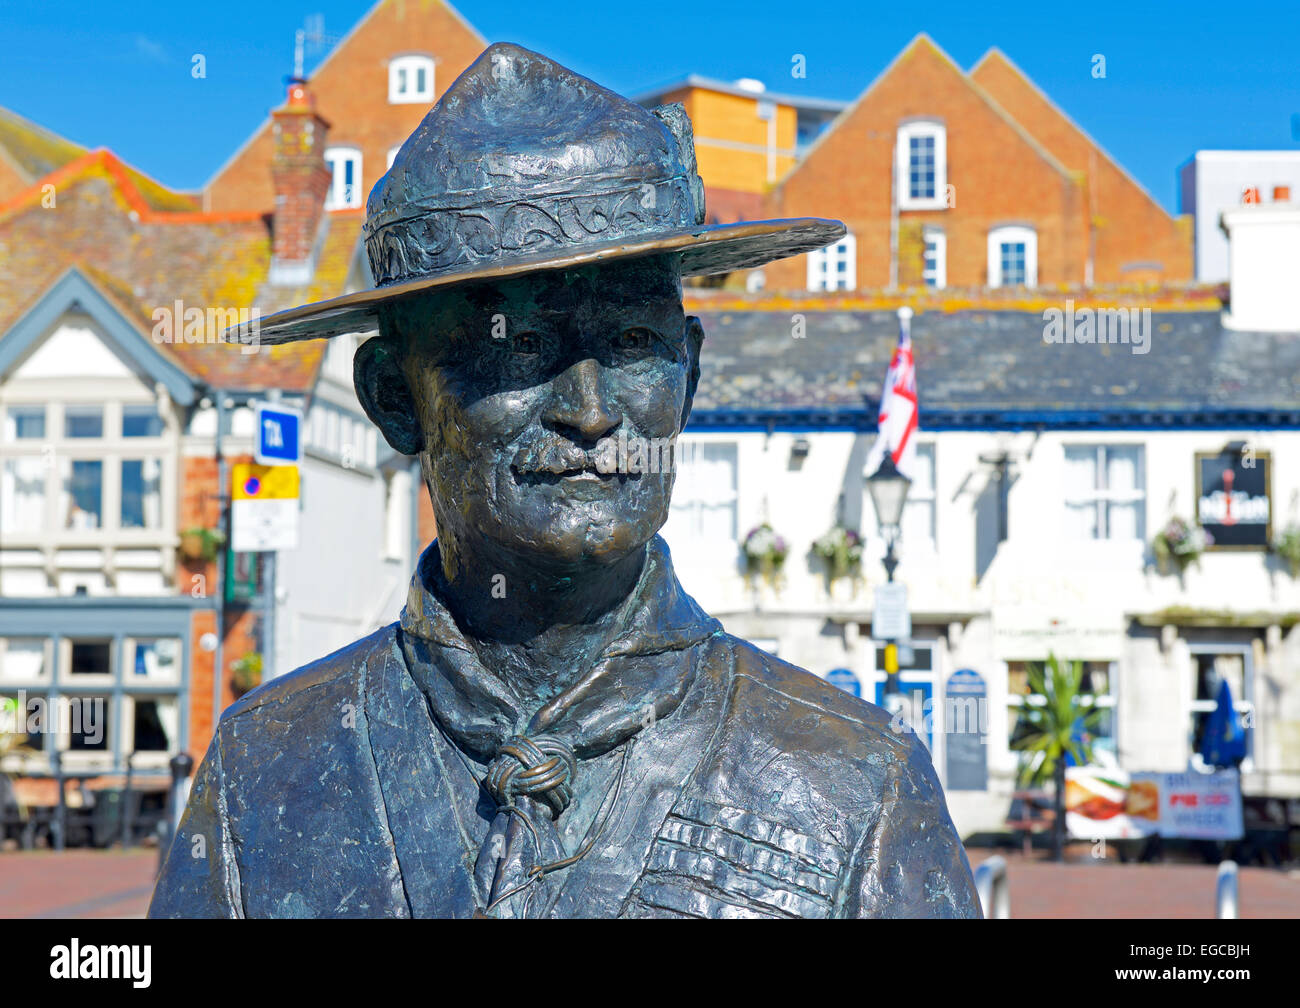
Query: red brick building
373	90
955	179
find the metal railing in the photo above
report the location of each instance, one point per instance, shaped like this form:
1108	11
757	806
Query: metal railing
994	892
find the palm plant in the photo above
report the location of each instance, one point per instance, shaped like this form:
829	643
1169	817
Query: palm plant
1062	725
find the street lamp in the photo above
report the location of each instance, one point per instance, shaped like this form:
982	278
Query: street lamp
888	488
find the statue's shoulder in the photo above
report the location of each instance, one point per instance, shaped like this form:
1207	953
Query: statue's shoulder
809	708
341	670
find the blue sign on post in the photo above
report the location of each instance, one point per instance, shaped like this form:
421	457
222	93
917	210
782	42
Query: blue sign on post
279	435
845	680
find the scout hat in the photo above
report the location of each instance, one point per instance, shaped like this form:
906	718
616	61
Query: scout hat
524	166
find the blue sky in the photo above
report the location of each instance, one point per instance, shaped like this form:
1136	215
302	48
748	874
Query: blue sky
1179	77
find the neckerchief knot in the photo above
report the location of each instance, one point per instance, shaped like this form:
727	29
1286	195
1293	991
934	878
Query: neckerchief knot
542	767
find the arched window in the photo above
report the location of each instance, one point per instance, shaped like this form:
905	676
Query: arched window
1013	257
410	80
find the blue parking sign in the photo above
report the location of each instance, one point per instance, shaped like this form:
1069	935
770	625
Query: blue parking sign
279	435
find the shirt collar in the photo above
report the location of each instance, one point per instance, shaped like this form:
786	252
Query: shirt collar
641	676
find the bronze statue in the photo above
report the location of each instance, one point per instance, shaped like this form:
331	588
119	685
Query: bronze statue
553	728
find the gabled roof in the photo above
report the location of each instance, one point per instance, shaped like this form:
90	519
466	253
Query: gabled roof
982	369
923	42
339	47
149	199
119	328
33	150
998	60
143	260
653	95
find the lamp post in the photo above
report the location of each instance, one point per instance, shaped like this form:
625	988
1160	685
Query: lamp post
888	488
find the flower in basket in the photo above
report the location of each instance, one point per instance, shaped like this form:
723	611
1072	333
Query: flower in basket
1180	542
841	550
1287	546
765	553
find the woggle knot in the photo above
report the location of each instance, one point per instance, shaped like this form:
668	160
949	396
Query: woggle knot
542	767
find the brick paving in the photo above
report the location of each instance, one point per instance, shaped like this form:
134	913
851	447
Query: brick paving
76	883
92	883
1106	889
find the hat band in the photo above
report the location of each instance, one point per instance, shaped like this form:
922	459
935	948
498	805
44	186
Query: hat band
445	240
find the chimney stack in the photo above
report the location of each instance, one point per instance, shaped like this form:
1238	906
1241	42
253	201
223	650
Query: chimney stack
302	181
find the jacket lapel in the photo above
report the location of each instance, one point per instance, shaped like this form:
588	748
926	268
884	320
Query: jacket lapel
417	775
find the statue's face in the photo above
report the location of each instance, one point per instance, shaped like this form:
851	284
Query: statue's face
528	390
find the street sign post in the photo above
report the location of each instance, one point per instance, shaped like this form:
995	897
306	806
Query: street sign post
279	435
263	507
890	620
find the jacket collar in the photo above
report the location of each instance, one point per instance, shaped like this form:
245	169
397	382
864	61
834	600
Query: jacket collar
640	677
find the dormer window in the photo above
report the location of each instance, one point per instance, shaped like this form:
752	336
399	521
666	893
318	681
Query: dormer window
410	80
345	178
922	167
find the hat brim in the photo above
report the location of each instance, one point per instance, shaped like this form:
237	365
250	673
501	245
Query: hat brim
720	248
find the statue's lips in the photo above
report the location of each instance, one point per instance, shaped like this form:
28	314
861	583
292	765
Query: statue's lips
568	477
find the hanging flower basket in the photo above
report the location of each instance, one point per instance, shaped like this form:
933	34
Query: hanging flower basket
1287	546
200	545
765	553
840	549
246	674
1180	544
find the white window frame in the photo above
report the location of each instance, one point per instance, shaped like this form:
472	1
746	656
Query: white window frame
938	276
55	453
1243	705
917	496
402	74
1009	234
392	155
1102	495
338	198
823	266
684	452
917	130
1108	701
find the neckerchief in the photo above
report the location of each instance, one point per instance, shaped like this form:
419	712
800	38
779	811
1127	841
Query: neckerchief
639	678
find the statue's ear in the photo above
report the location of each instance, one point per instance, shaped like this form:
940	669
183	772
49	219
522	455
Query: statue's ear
694	340
385	395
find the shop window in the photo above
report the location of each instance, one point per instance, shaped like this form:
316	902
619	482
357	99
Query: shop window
1097	688
1214	666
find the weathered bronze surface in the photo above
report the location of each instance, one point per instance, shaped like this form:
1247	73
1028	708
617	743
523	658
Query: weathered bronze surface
553	728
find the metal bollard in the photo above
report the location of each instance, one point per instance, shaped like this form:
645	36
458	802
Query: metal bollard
994	892
1225	891
182	766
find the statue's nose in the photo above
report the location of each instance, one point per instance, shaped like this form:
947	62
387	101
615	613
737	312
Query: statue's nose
578	404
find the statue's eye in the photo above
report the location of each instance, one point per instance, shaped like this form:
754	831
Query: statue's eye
636	338
527	344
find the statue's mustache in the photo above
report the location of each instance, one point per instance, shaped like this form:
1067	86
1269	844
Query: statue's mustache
556	457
